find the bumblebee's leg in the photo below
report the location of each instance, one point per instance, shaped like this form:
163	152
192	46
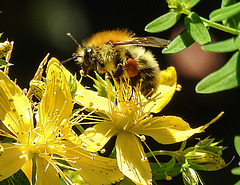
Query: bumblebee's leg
118	71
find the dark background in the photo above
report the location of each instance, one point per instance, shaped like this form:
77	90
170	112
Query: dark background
39	27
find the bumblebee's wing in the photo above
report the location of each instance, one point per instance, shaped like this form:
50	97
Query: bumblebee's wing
144	41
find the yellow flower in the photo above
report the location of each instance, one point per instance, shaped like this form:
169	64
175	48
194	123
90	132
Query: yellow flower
45	138
129	118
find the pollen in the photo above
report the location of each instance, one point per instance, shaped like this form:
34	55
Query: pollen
179	87
103	151
142	138
143	159
1	149
90	104
168	178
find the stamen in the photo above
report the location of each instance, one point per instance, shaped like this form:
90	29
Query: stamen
142	138
103	151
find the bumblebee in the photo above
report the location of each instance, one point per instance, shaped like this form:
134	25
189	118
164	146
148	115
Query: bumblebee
121	54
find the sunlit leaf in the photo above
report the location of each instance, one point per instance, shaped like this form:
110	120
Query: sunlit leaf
234	21
237	42
237	144
196	29
227	77
236	171
163	22
223	46
180	43
190	3
227	3
225	13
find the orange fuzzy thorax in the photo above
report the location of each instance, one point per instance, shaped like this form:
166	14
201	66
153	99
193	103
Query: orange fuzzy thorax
102	38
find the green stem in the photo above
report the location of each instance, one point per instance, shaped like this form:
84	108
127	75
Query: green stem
160	152
220	27
34	170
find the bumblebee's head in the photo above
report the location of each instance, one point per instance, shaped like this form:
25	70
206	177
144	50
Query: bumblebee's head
87	61
83	56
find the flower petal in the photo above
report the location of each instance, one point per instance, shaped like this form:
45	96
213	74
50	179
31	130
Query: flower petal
94	169
166	90
171	129
94	138
27	169
11	159
131	159
84	97
90	99
15	110
56	103
46	174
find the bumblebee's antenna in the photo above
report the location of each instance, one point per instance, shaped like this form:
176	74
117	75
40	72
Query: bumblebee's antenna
68	60
73	39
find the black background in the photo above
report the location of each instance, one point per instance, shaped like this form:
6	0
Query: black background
39	27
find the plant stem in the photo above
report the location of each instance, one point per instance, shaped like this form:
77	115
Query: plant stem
220	27
160	152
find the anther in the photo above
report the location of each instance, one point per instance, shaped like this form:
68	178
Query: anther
142	138
103	151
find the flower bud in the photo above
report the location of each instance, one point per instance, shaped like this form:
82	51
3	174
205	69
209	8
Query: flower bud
205	160
191	177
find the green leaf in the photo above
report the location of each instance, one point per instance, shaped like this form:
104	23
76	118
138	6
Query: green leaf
190	3
223	46
236	171
234	21
225	13
170	168
3	63
237	144
126	181
163	22
18	178
180	43
227	3
73	85
237	183
227	77
237	42
196	29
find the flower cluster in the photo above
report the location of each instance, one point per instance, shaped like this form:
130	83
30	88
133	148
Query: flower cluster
44	141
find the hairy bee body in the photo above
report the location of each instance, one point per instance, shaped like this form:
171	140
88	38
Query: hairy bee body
120	53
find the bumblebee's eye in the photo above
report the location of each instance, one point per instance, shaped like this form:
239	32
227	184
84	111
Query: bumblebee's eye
87	61
88	52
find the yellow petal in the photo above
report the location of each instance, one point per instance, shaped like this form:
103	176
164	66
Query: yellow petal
56	103
94	138
94	169
15	110
90	99
11	159
46	173
131	159
27	169
166	90
171	129
53	60
84	97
